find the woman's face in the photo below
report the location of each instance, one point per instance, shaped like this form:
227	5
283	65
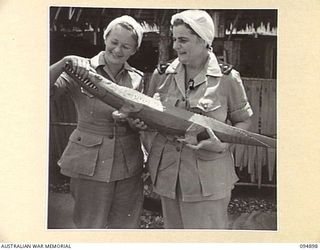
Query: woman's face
188	46
120	45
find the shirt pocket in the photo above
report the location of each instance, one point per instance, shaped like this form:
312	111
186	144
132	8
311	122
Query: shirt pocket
166	98
206	155
169	157
81	153
208	104
216	175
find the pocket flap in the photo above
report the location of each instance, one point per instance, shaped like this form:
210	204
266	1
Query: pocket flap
206	155
86	139
208	104
167	98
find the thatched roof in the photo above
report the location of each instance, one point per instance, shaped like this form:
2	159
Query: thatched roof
97	18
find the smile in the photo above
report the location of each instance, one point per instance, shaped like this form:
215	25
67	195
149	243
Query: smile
116	56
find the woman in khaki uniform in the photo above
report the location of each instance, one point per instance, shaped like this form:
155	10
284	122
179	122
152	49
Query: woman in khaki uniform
103	156
195	181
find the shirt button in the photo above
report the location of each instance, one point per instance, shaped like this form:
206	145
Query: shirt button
178	148
79	138
111	136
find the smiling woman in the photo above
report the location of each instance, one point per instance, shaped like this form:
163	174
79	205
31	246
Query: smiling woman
103	156
121	43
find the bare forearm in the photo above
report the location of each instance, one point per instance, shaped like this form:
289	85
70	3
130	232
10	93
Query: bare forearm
56	69
244	124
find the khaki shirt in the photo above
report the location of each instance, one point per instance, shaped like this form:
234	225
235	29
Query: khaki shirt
201	174
100	149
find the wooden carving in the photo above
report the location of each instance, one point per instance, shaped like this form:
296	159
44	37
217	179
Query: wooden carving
162	117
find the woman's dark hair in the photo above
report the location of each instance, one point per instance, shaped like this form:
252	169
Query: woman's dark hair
178	22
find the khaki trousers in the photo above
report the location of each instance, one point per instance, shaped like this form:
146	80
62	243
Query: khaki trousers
115	204
210	214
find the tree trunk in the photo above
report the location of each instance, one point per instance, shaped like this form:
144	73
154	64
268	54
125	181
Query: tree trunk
164	38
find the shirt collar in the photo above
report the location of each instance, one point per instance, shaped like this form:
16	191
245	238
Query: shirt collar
212	66
99	60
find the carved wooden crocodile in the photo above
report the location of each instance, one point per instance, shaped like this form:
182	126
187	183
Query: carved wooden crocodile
162	117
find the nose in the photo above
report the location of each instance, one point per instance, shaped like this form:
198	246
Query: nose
176	45
117	49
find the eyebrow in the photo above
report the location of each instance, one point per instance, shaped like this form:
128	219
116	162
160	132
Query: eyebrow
181	37
115	39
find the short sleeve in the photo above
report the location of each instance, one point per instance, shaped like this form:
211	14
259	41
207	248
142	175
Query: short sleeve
154	82
239	109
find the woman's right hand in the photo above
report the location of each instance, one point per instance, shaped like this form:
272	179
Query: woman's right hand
81	65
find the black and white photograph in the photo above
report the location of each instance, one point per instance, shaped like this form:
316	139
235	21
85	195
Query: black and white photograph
162	118
159	124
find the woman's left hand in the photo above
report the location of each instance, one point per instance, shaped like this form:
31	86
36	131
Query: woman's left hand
212	144
137	123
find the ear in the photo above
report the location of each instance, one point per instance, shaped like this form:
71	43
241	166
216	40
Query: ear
134	51
202	42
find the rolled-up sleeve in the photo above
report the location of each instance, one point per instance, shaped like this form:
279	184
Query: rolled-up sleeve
238	105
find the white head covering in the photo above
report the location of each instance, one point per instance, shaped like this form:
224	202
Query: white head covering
200	21
126	19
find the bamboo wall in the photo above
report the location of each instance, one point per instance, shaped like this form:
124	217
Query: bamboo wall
254	165
257	162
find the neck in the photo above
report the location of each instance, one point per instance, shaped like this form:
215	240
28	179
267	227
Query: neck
114	68
196	66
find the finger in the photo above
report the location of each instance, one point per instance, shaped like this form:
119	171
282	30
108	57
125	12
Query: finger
82	67
86	70
117	115
141	123
144	127
88	66
91	69
136	121
194	147
182	140
77	64
212	134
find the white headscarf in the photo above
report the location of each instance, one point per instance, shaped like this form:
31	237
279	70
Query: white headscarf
200	21
126	19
